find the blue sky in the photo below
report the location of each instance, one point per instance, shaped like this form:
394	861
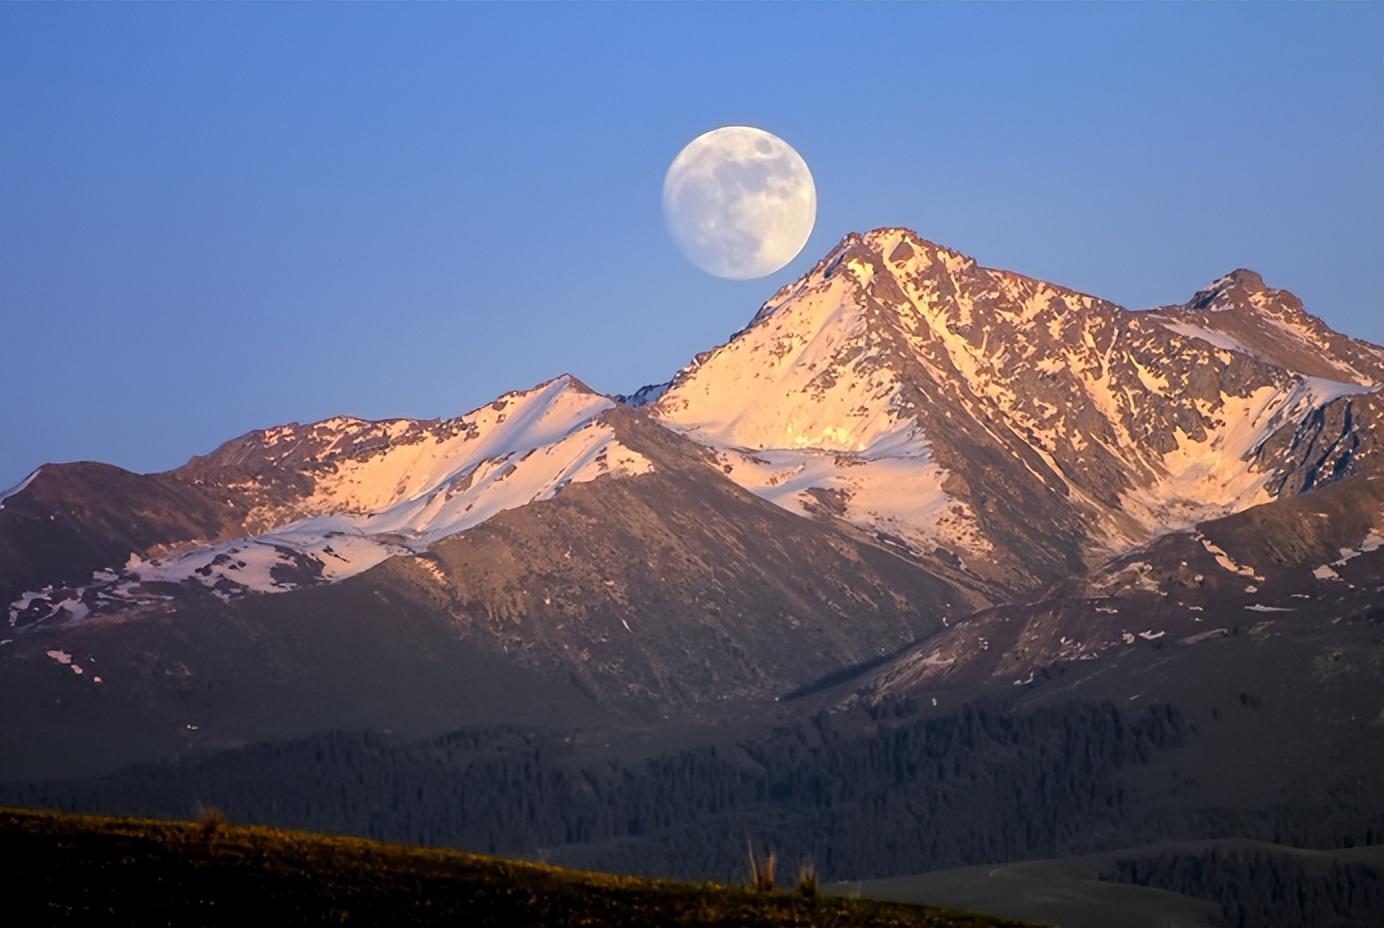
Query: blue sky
221	217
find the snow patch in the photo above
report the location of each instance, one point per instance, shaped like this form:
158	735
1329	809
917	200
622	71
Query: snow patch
1226	561
65	659
1210	336
897	497
1372	542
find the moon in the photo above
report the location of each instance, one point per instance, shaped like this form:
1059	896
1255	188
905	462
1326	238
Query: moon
740	202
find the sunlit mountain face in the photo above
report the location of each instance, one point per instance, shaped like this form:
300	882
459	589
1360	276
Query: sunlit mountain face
911	487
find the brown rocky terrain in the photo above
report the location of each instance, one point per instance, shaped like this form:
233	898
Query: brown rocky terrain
909	475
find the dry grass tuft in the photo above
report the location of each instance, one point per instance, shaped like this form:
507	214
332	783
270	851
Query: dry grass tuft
761	869
211	822
807	880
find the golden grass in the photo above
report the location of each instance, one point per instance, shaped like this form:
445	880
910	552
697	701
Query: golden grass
89	870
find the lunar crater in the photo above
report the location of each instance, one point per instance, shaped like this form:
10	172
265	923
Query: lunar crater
740	202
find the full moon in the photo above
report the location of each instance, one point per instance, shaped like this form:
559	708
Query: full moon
740	202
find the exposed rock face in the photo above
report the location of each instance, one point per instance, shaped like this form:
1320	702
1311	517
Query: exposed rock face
669	594
677	587
1025	427
70	520
1240	313
299	505
1299	564
354	466
897	441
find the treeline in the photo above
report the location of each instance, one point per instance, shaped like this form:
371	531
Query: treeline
1267	888
862	796
891	794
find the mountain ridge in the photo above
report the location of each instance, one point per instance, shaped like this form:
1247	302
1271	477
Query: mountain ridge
906	339
900	449
255	488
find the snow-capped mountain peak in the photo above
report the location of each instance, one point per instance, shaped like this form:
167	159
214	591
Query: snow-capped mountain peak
873	388
330	499
1005	431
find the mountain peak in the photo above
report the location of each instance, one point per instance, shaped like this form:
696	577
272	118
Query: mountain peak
1246	278
899	245
565	380
886	237
888	251
1244	289
1239	312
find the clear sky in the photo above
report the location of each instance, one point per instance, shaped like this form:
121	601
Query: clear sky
221	217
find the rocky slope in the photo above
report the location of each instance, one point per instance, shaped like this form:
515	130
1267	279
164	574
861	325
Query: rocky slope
1296	566
1024	430
287	507
904	451
668	594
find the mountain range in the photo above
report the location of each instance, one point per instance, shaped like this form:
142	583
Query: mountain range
909	477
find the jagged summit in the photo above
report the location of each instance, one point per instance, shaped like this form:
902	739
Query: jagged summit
873	388
898	244
890	249
1240	313
1247	279
1243	289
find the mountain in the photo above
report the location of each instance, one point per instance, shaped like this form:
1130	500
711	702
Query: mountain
878	388
1305	565
908	477
590	563
1239	313
284	507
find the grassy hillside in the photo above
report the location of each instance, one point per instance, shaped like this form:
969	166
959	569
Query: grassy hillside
1182	884
66	869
